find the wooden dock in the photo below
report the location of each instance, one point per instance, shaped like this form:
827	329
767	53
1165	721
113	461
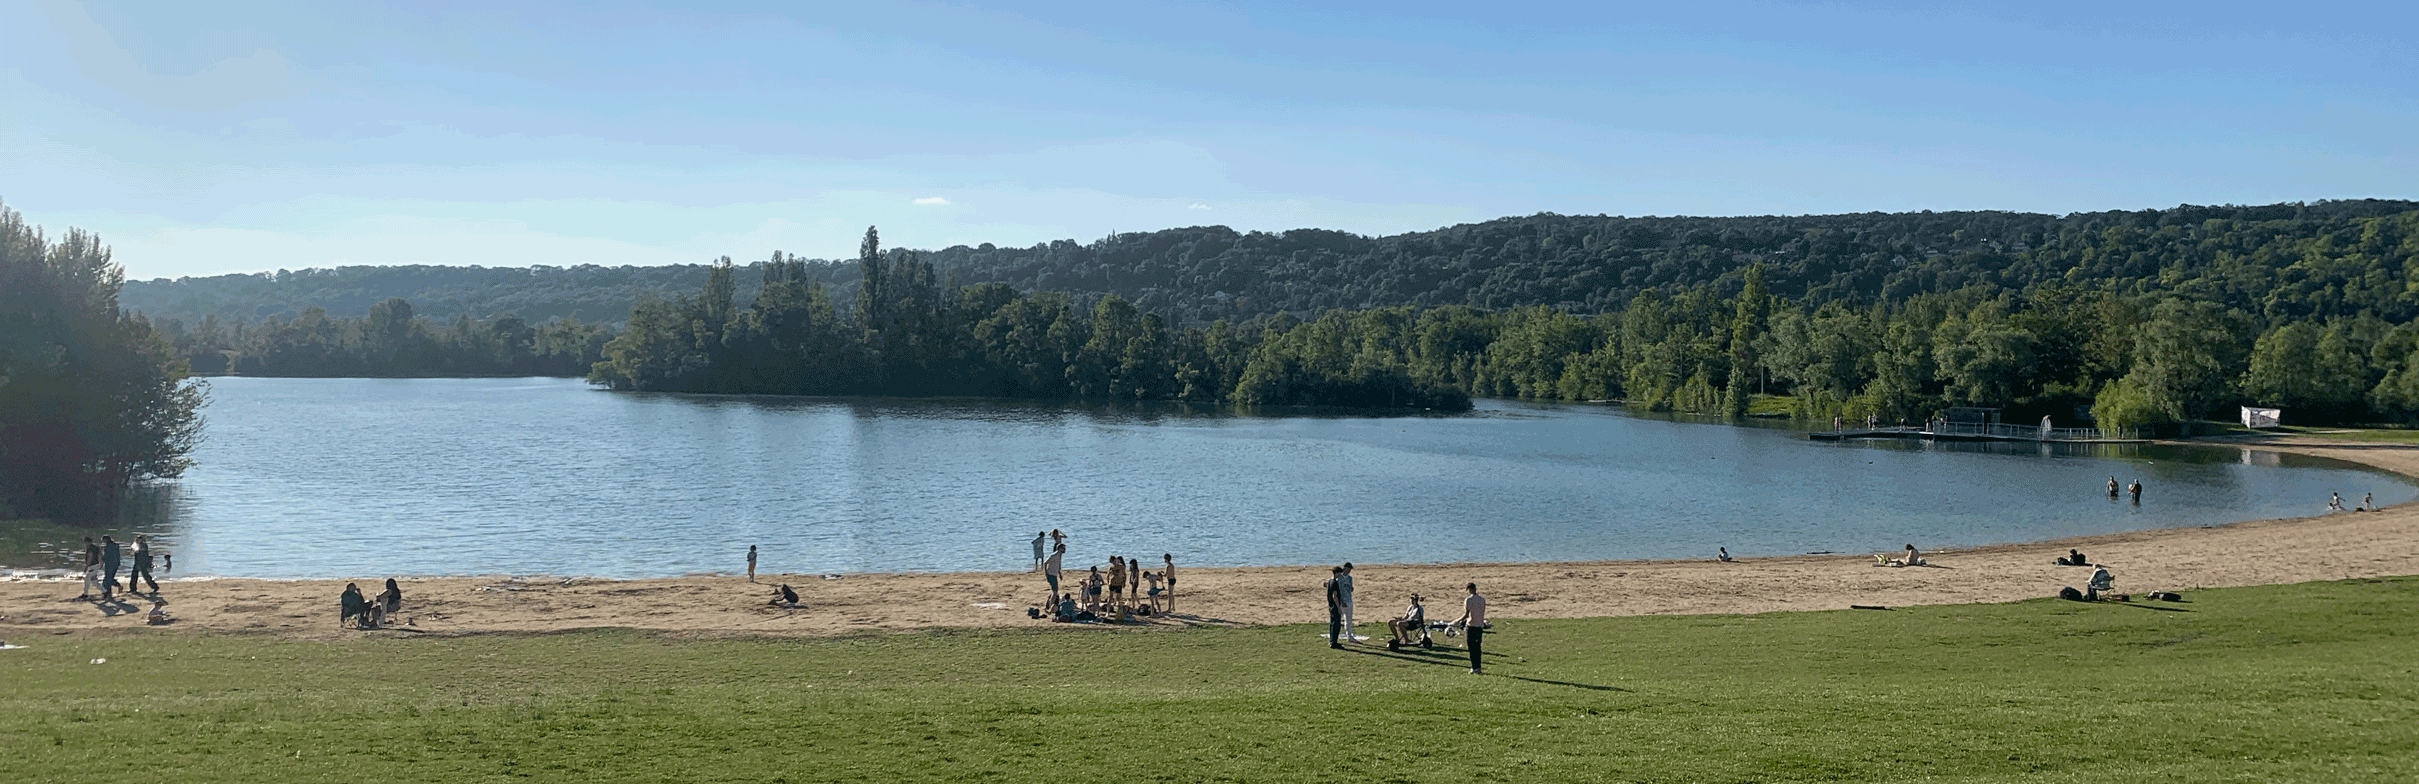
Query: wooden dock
1960	431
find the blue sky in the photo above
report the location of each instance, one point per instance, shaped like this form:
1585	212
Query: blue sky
200	139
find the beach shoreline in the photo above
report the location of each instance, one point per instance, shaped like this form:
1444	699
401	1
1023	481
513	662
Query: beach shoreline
2260	552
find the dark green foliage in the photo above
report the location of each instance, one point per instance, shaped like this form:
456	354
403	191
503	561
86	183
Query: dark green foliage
389	342
91	401
1887	315
909	335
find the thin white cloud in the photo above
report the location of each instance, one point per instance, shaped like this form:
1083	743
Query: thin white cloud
930	201
1196	206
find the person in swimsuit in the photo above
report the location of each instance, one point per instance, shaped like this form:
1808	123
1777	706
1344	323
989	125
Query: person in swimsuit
1168	571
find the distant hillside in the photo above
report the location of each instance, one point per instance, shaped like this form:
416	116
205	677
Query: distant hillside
2323	259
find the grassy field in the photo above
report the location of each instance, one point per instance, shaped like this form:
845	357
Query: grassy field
2311	682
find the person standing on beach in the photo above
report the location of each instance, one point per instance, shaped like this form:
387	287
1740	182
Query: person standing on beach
1346	583
1168	572
1038	538
1474	624
2368	502
111	556
142	566
751	563
1050	567
1117	579
1335	606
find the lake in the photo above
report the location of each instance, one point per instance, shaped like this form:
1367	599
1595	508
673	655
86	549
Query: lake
359	477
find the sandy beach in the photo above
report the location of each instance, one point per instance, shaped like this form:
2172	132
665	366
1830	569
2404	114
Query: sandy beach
2325	547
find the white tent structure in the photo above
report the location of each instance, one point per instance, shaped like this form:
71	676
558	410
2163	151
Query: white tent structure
2262	417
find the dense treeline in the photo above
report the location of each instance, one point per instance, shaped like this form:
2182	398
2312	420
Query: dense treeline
909	334
390	341
91	401
2144	318
538	293
2327	259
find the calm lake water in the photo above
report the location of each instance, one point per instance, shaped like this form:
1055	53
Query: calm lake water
343	477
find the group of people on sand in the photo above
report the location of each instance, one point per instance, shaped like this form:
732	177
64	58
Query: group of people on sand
101	563
784	596
373	612
1126	589
2368	502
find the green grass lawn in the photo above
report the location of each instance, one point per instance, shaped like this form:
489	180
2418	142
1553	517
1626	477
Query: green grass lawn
2311	682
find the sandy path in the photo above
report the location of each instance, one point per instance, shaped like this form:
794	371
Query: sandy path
2334	546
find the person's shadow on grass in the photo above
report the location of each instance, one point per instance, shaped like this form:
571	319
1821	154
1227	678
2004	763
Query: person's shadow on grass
1459	658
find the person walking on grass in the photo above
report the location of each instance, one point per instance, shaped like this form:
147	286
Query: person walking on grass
751	563
1335	606
1474	624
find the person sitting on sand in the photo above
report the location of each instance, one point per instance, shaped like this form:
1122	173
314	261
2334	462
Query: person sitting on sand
159	613
1406	627
1912	557
1066	609
785	597
352	605
390	601
1722	555
2073	558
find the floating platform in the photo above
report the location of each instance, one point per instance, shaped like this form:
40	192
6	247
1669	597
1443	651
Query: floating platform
2023	435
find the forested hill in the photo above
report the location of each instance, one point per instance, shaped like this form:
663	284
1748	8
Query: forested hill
2283	261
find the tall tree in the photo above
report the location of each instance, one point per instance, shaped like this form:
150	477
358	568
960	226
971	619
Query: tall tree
91	399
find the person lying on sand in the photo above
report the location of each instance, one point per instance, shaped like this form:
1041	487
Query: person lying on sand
1912	557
